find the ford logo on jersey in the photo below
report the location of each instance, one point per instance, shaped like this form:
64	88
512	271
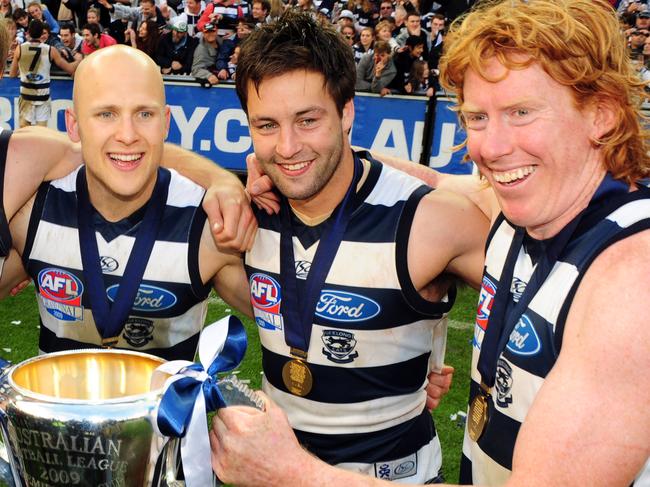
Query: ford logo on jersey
524	339
265	292
59	285
149	298
343	306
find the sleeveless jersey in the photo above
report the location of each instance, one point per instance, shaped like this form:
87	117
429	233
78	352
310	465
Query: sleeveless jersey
35	66
170	305
373	341
535	342
5	236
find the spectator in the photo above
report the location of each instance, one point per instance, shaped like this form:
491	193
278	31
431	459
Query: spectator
364	13
346	18
404	60
204	65
413	28
636	40
176	49
226	14
22	22
436	39
191	15
260	11
137	15
32	60
6	9
386	10
631	6
399	17
383	31
146	39
323	16
643	20
375	71
94	39
420	80
228	48
232	63
92	17
349	34
40	12
454	8
50	39
117	30
12	30
71	41
277	7
364	46
306	5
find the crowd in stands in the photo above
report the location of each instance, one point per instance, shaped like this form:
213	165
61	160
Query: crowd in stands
397	44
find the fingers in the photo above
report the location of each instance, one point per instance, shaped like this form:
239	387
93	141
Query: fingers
231	218
20	287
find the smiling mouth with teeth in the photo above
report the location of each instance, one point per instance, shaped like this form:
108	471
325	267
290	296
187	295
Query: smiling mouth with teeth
125	159
510	177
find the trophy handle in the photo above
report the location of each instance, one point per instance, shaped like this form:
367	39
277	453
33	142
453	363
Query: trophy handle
6	474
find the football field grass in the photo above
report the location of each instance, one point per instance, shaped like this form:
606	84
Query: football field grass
19	340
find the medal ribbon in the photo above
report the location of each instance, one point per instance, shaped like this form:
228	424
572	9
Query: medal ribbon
192	391
110	319
504	315
299	317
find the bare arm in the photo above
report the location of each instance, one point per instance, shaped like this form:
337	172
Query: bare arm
35	154
590	422
69	68
226	203
13	71
13	273
456	229
226	272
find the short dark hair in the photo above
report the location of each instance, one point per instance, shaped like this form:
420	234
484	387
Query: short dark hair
297	41
93	28
19	13
266	5
68	26
35	29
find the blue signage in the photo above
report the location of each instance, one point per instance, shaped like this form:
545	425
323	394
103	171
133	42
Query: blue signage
210	121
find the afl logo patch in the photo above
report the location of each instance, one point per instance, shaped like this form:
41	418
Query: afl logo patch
265	292
485	299
61	293
343	306
60	286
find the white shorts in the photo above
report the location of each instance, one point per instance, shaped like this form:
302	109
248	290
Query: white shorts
31	113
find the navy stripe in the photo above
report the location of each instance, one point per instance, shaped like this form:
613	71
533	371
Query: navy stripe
34	220
5	235
341	385
35	86
465	471
498	439
35	97
48	342
385	445
199	288
413	297
61	210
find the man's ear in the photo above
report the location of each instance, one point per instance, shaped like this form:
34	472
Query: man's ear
605	118
71	125
348	115
167	120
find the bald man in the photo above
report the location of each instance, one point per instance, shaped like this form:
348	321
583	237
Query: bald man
120	249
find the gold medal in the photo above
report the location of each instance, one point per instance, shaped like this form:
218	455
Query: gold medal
297	377
478	416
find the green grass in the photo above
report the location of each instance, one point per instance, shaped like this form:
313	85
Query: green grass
20	341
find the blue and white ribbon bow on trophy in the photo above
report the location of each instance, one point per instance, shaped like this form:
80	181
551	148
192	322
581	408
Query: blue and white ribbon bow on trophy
192	391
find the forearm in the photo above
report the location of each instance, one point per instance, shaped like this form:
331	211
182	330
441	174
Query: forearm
199	169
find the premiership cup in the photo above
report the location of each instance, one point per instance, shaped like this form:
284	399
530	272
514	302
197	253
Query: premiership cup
85	418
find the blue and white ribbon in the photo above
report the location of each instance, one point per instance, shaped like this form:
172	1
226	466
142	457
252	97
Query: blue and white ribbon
192	391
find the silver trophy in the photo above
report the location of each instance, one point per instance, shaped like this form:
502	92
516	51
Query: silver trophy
87	418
